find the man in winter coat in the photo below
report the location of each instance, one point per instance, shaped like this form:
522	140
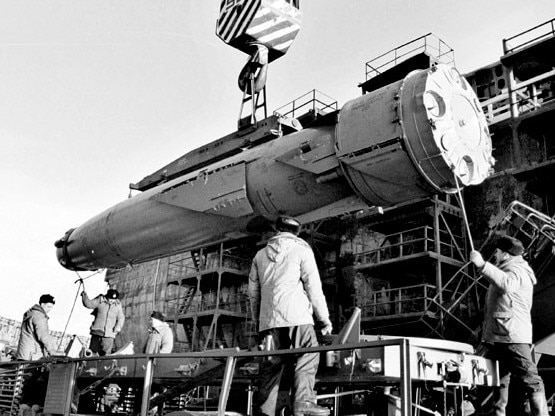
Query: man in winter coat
507	331
285	291
35	340
160	335
108	320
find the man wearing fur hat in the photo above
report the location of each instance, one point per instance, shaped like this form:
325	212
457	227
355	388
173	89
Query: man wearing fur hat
160	335
285	291
108	320
35	340
507	331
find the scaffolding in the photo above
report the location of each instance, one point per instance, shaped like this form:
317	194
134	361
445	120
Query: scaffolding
207	298
526	79
398	269
537	232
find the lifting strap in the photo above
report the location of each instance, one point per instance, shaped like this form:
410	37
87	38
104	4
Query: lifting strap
81	282
463	210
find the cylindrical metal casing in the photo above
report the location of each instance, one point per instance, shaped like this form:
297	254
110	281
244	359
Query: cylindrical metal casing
408	140
284	180
209	205
414	137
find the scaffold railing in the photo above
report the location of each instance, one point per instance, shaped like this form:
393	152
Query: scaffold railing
191	264
533	35
181	306
313	101
527	96
412	242
399	301
429	43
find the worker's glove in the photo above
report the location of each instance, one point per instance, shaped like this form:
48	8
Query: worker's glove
477	259
326	330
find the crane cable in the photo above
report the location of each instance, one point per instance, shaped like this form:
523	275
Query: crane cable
461	203
81	283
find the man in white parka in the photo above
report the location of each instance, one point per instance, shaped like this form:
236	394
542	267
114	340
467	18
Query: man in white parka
35	340
507	331
285	292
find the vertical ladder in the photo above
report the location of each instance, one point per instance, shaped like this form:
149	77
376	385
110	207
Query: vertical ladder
187	300
256	104
536	231
252	81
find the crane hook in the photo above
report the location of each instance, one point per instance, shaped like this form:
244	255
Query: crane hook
256	70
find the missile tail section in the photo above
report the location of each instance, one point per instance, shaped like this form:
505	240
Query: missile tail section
428	131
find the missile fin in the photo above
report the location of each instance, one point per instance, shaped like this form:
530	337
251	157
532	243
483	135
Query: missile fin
344	206
222	192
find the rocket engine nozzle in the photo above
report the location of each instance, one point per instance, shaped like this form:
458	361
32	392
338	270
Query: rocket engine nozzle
62	253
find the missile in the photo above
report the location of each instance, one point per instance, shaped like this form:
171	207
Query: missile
419	136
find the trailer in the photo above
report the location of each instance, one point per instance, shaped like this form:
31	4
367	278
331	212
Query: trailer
358	374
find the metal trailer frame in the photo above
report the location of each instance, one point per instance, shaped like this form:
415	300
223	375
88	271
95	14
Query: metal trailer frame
234	356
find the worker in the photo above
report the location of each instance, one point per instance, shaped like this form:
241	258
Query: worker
507	331
35	340
285	290
108	320
160	335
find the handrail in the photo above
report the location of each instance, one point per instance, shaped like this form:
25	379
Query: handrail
508	50
313	97
427	45
426	238
232	357
547	221
393	60
496	112
238	305
215	353
400	299
186	269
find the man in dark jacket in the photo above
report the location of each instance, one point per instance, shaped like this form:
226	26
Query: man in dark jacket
108	320
507	331
35	340
285	291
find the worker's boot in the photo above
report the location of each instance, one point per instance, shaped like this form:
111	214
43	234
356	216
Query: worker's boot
307	408
538	404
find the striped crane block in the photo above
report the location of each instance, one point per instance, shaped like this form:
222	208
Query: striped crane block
273	23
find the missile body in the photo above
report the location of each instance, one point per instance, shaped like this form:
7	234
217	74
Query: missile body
414	138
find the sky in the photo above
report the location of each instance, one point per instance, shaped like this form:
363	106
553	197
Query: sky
95	95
